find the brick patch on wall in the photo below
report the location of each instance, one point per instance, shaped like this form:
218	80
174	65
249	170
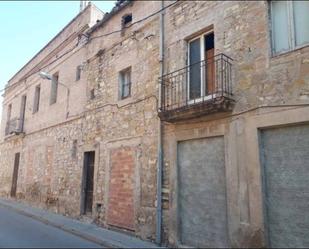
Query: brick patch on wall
121	189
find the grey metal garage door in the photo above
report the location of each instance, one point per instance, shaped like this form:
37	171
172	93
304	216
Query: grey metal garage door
285	160
202	193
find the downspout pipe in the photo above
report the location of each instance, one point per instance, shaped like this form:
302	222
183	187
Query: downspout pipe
160	136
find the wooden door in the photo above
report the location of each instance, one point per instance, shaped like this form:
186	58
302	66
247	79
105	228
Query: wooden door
87	189
210	74
15	175
210	71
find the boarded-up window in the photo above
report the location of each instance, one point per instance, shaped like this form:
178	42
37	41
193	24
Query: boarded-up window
36	103
290	25
54	89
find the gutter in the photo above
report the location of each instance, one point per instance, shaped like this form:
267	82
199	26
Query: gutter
160	137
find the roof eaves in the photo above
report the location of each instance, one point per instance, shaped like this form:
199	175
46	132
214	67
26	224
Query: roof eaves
109	15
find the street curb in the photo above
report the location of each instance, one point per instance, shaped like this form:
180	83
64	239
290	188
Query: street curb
71	231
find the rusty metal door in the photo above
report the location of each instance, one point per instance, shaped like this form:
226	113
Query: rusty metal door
285	167
202	193
87	185
15	175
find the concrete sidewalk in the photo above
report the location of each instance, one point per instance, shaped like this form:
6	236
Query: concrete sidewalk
91	232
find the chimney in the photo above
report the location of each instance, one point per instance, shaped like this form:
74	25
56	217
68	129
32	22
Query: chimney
83	5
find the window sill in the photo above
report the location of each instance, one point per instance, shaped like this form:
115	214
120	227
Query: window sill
125	101
123	98
287	53
18	135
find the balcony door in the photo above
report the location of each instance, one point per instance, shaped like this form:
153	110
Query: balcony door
201	64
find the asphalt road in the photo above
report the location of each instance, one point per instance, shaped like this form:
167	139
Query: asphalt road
17	230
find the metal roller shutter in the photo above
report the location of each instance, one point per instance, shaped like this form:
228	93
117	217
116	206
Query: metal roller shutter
285	161
202	193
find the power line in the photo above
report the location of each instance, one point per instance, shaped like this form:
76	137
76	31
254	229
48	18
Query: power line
92	38
136	22
24	78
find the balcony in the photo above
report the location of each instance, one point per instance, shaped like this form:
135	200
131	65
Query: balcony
14	126
197	90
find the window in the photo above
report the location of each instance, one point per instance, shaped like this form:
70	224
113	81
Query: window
201	62
92	94
9	111
125	83
78	72
126	20
290	25
74	148
54	89
36	103
8	118
22	111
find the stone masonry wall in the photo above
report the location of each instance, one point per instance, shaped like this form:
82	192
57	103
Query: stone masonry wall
242	31
124	133
51	164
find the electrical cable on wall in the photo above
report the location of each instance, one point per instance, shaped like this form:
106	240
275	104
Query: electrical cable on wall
92	38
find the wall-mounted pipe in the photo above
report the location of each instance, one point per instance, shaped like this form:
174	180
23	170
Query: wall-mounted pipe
160	136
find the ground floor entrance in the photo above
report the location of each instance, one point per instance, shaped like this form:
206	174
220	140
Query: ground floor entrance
87	183
285	173
15	175
202	193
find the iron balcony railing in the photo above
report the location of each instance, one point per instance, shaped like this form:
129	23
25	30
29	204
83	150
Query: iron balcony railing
200	82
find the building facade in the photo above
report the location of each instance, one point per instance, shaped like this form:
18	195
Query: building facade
184	122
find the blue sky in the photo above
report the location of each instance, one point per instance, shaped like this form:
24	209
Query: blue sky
26	26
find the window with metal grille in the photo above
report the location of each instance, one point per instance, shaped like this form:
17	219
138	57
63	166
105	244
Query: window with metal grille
125	83
290	25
